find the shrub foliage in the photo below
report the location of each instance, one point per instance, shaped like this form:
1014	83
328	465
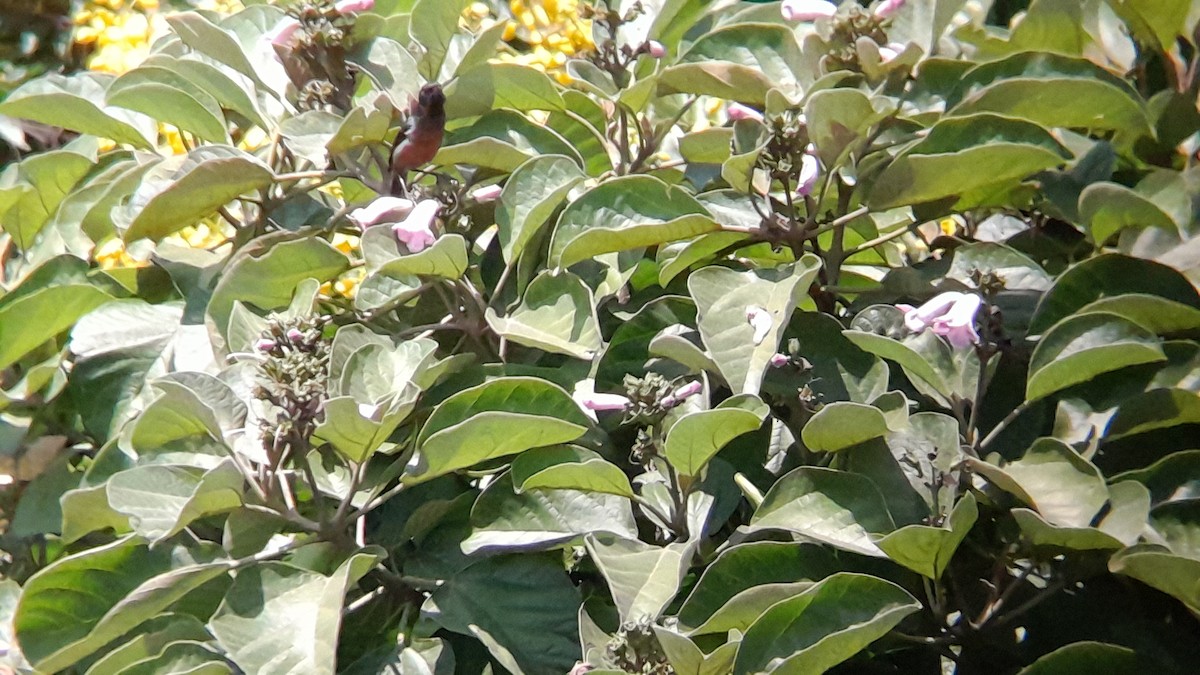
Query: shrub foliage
891	366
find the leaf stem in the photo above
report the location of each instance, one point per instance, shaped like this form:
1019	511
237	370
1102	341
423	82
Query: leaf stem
1008	419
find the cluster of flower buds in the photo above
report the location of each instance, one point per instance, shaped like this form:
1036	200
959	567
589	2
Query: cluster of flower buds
311	43
636	649
293	377
613	59
789	156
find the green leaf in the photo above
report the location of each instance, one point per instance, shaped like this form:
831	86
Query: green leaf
964	154
502	140
707	146
118	349
503	519
1019	271
502	417
86	510
434	23
625	213
825	625
214	41
1108	208
1086	658
490	86
568	467
214	81
724	300
1105	276
74	102
928	448
162	500
1065	488
1081	347
697	437
912	354
446	258
391	68
838	118
838	508
277	618
1178	523
927	550
170	97
841	424
180	191
193	657
1172	574
741	62
526	604
557	314
642	578
532	193
1052	90
267	277
1153	410
1157	22
45	181
80	603
841	369
153	637
1154	313
52	298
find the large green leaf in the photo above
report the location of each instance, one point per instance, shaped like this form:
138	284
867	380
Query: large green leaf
532	193
490	86
1086	658
747	578
277	618
434	23
204	36
842	371
740	62
1108	208
168	96
965	154
162	500
823	626
835	507
1153	410
391	68
557	314
1081	347
180	191
49	301
1064	487
927	550
502	140
153	638
1105	276
842	424
74	102
266	277
1154	313
642	578
1172	574
726	299
697	437
80	603
838	118
525	605
502	417
1052	90
45	180
445	258
503	519
626	213
568	467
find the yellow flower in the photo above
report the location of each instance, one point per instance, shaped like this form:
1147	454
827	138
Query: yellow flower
208	234
553	31
112	254
346	243
345	286
949	225
170	137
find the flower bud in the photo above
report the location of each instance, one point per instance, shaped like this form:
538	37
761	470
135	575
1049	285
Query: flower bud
888	8
737	111
349	6
487	193
382	211
807	10
264	344
779	360
656	49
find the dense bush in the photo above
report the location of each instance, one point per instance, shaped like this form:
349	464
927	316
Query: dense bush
750	338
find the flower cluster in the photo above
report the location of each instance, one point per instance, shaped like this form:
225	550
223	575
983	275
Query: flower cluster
951	315
118	32
552	30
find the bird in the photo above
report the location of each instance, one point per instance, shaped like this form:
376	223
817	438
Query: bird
420	135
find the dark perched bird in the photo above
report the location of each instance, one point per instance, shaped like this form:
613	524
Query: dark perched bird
421	134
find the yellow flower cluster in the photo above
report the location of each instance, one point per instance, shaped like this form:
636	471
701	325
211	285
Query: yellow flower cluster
119	31
112	255
553	30
207	234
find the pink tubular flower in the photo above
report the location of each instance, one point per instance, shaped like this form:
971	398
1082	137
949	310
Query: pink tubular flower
487	193
656	49
809	169
737	111
780	360
888	7
580	668
416	230
676	397
951	315
347	6
381	211
264	344
807	10
585	395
